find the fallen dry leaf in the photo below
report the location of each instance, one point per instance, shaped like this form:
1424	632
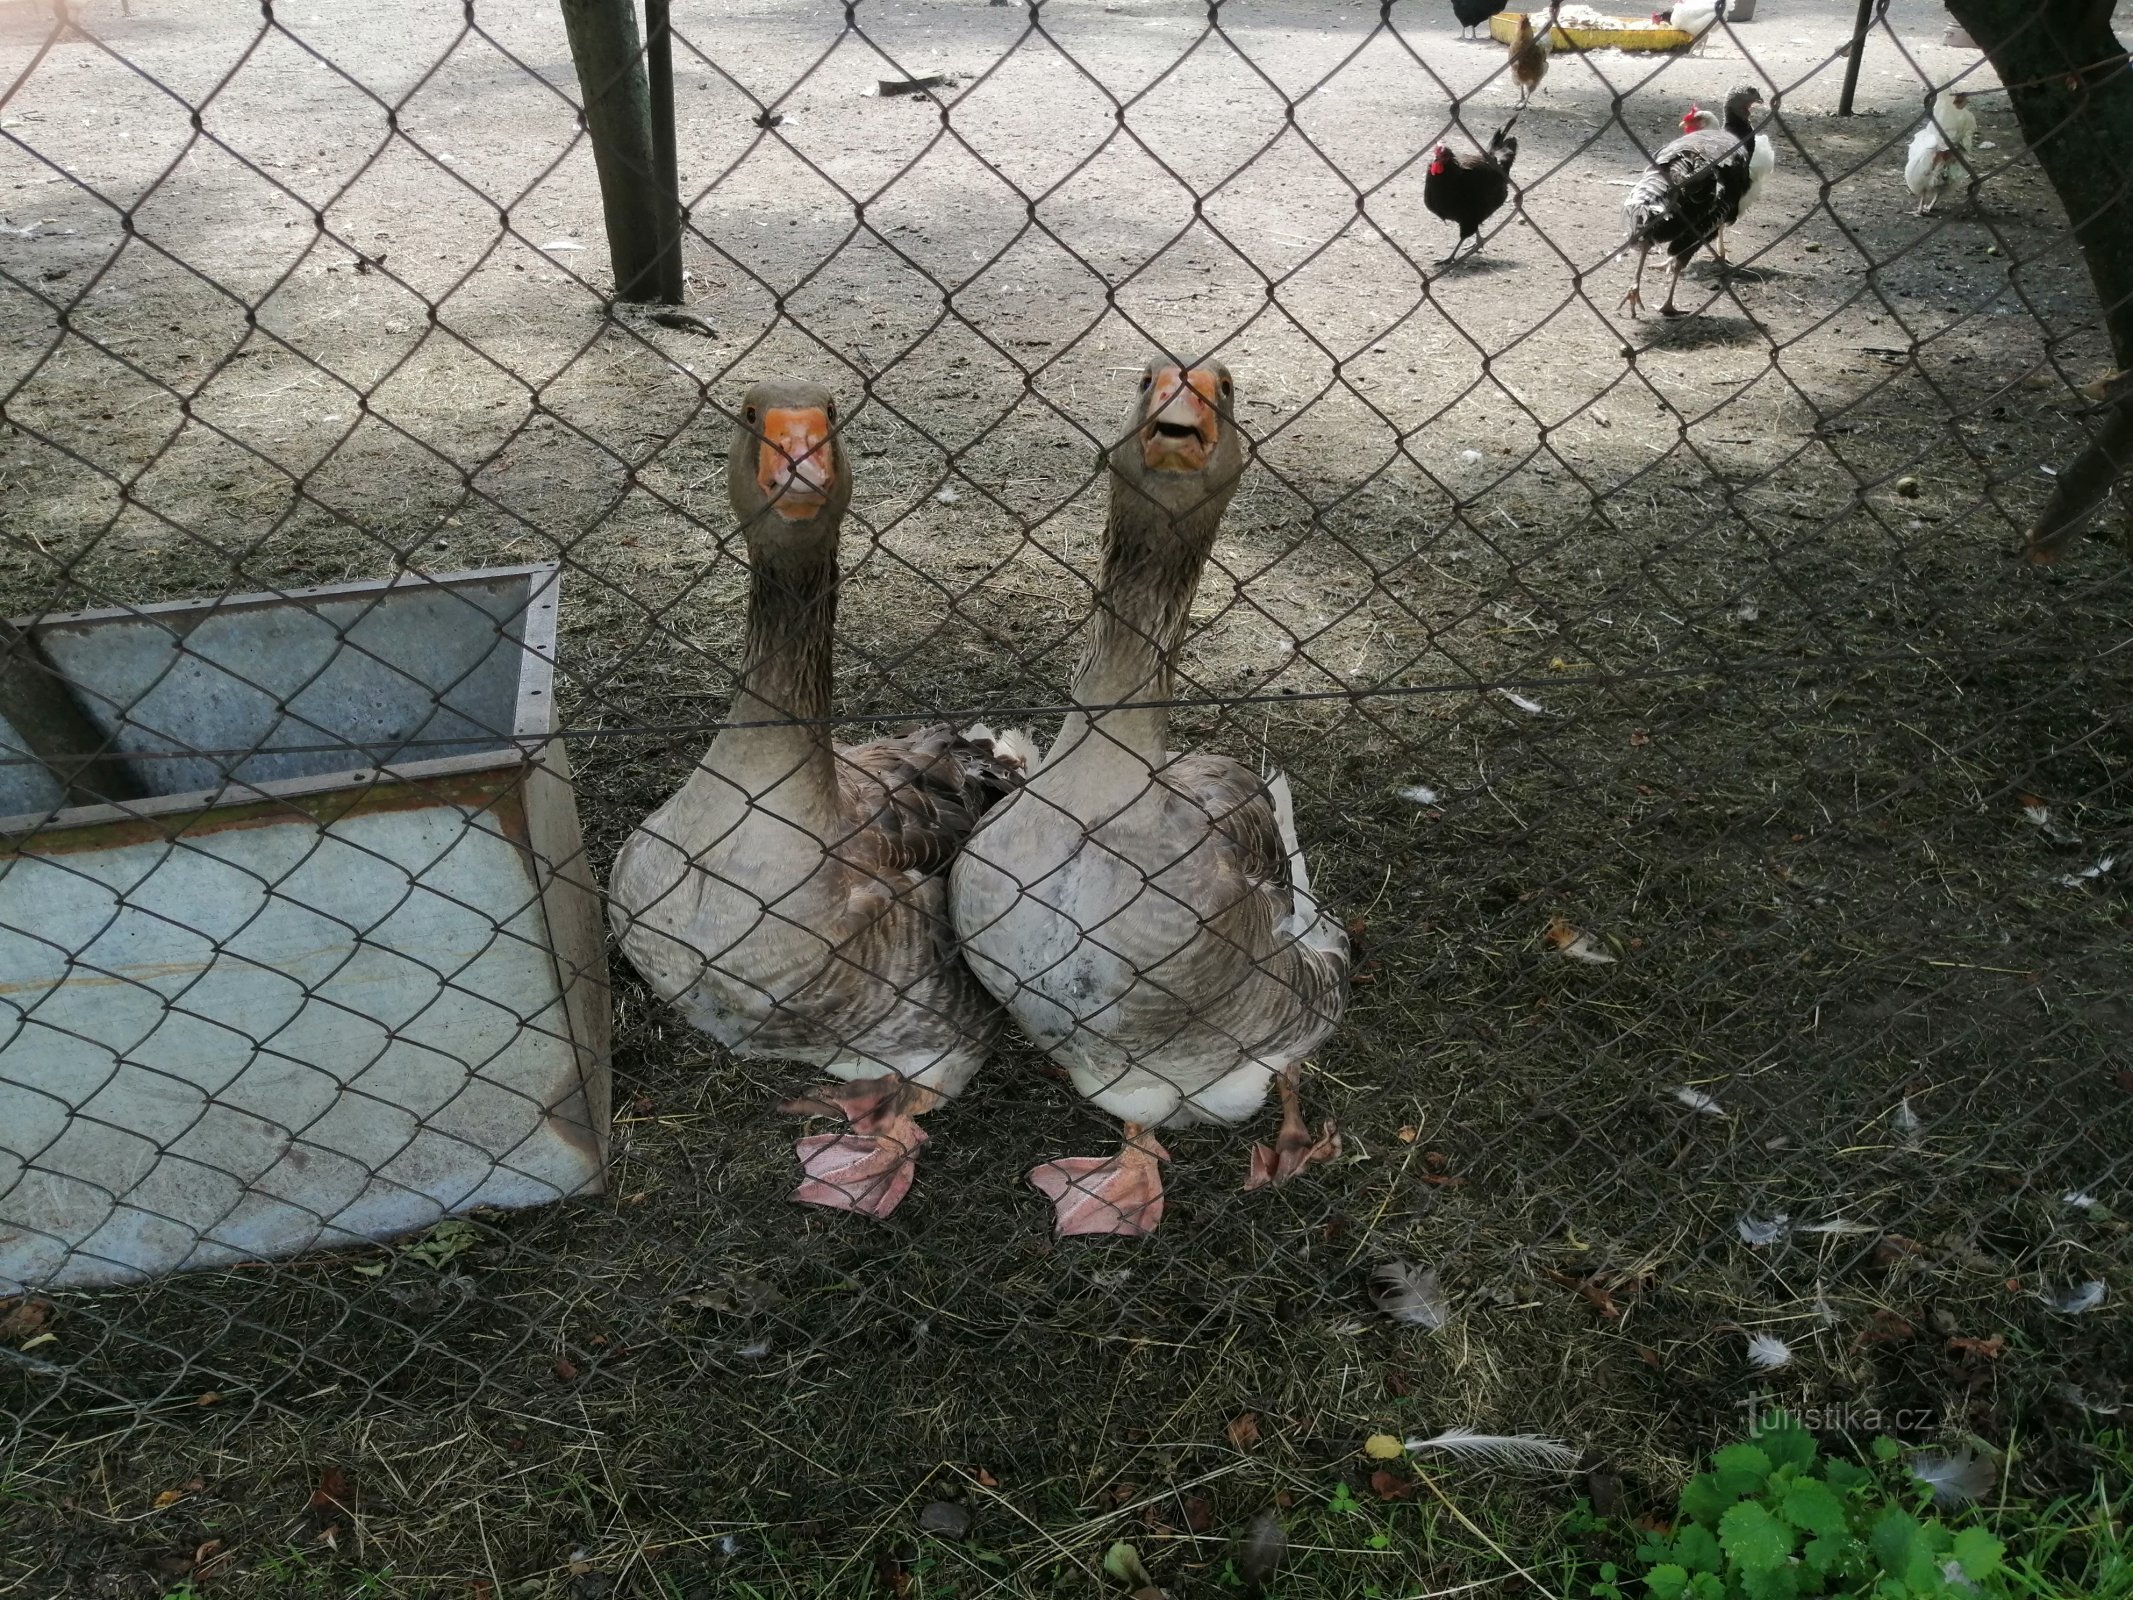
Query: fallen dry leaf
331	1502
1391	1486
985	1480
1199	1513
1384	1447
1595	1292
1883	1327
1991	1349
563	1367
1243	1431
1408	1135
169	1497
23	1318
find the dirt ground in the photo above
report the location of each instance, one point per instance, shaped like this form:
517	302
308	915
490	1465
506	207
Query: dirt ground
1703	637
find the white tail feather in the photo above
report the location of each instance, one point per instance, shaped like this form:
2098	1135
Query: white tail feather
1501	1449
1008	744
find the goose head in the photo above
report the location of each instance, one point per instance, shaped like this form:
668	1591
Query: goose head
787	474
1181	449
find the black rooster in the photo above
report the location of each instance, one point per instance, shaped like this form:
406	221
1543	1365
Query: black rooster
1692	189
1469	189
1473	13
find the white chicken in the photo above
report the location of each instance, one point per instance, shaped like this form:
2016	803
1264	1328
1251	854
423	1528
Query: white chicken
1957	122
1940	151
1928	169
1694	17
1761	159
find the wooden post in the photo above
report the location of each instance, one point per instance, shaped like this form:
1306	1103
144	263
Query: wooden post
37	704
641	221
1868	10
659	71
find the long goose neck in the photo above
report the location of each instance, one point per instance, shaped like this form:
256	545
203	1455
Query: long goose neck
779	720
1150	572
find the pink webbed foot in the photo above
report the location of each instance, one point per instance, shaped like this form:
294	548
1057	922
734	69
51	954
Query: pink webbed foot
1294	1149
867	1172
1120	1195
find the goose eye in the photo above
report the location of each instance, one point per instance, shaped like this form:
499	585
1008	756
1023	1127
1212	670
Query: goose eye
833	412
1228	388
748	415
1146	379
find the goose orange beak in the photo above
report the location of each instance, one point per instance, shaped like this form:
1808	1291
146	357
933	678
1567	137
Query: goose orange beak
1180	420
796	462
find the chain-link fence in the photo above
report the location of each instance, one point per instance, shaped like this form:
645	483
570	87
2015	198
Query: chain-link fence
1707	946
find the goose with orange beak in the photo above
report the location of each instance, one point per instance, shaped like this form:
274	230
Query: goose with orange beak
1146	917
791	899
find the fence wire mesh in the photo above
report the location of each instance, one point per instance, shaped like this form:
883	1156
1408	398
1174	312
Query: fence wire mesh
1721	842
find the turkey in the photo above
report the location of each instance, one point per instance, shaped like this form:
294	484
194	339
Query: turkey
1760	161
1470	187
1692	189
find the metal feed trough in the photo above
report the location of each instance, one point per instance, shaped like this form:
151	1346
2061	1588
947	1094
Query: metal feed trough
339	975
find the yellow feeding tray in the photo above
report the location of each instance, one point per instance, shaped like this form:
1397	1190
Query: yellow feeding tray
1504	28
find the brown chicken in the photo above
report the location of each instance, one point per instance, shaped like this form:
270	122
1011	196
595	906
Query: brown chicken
1530	50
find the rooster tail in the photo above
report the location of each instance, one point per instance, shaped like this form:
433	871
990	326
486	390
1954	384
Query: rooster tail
1503	149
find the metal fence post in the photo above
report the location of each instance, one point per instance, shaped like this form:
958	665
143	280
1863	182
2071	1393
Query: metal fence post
1867	9
643	232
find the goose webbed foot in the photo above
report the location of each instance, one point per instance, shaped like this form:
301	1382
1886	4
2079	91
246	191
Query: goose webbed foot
1295	1148
868	1172
1121	1195
867	1168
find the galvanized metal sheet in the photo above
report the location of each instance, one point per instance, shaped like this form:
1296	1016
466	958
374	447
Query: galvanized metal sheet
257	1038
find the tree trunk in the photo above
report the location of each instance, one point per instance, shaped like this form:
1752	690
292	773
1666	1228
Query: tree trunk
643	233
2068	84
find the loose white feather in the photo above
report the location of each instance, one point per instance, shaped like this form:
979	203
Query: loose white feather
1410	1294
1501	1449
2102	869
2079	1199
1420	793
1697	1100
1839	1225
1768	1352
1760	1231
1904	1121
2073	1302
1958	1478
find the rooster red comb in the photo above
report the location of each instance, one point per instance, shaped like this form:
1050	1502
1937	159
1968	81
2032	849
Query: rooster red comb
1692	116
